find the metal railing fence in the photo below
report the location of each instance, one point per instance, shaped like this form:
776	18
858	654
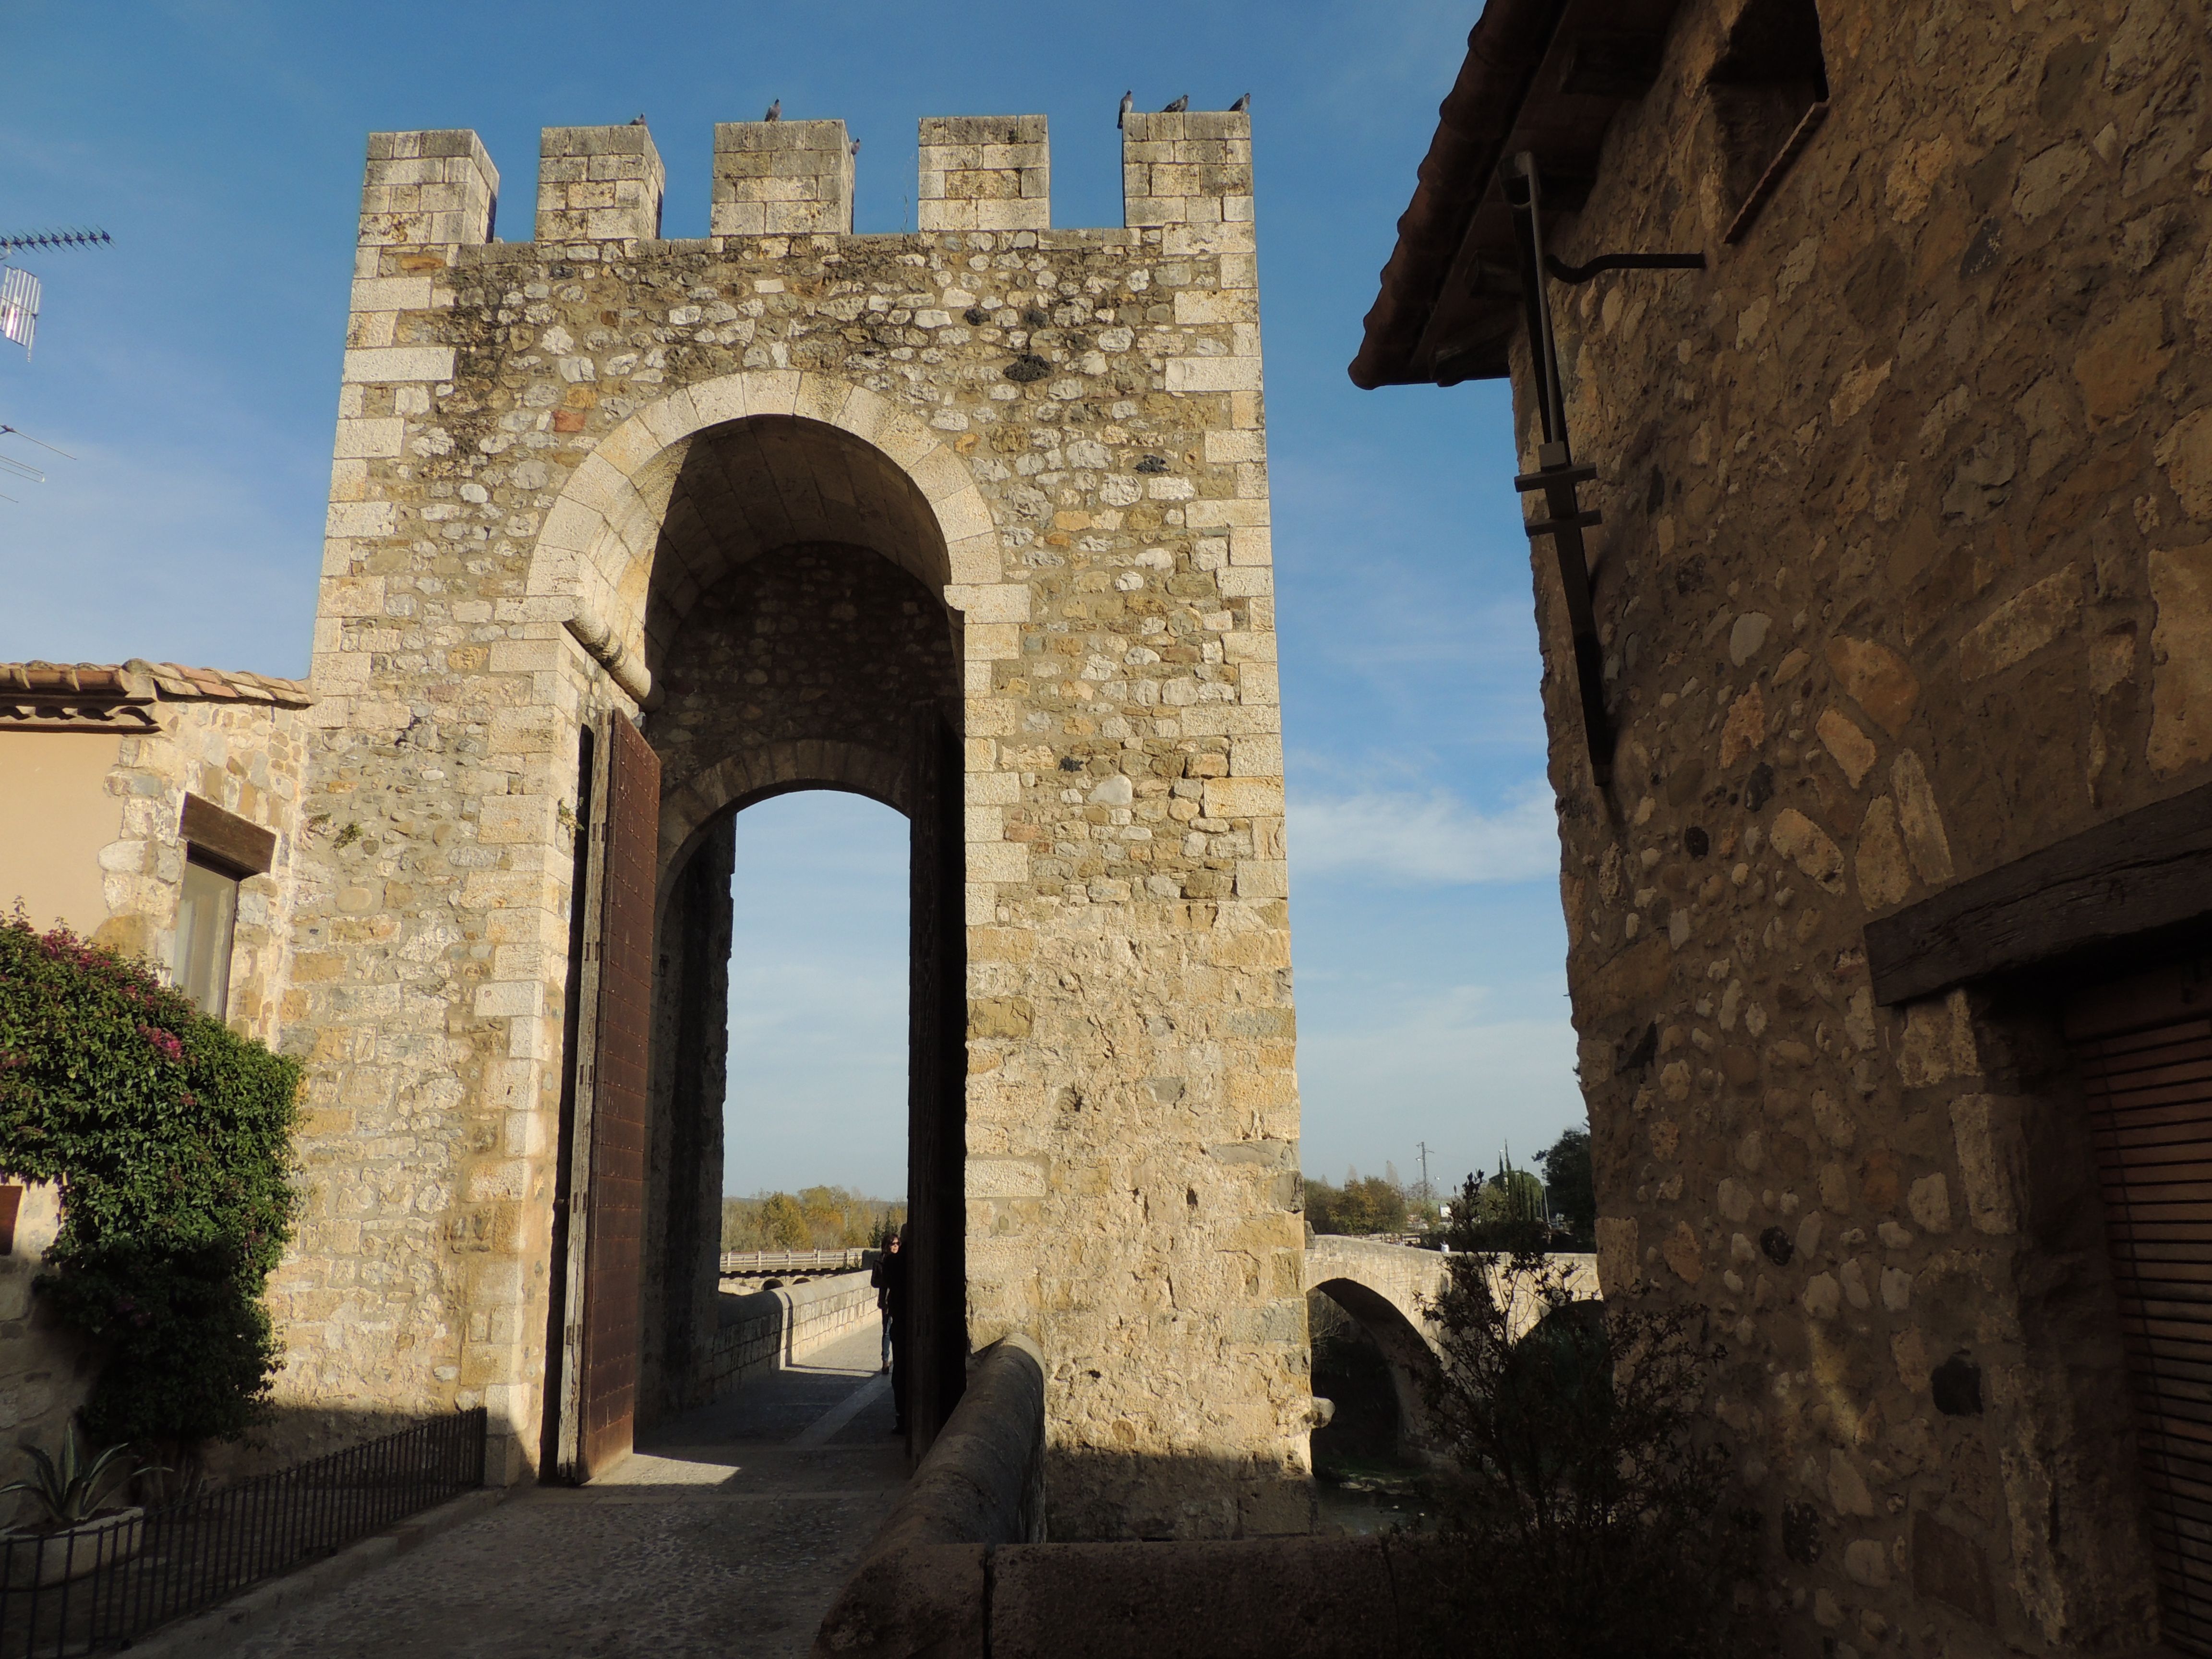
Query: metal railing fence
103	1585
792	1262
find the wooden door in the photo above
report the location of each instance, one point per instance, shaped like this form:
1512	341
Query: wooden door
2144	1047
607	1212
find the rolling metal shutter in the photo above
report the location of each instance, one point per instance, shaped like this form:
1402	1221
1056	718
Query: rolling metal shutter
2144	1047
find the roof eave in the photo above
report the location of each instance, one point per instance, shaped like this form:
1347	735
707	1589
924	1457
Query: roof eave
1546	75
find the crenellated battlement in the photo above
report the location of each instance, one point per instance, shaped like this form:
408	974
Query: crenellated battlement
984	173
434	187
1187	167
782	178
980	173
598	184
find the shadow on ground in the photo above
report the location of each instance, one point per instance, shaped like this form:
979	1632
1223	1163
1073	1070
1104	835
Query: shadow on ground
728	1531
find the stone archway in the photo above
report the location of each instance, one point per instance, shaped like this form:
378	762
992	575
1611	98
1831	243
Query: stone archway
1080	419
594	562
775	595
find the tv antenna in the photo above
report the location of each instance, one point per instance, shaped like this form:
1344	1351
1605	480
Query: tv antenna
13	469
20	290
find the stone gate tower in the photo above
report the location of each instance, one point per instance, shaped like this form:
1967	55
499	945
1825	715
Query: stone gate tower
627	533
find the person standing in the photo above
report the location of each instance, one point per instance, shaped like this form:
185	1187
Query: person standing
887	1245
892	1288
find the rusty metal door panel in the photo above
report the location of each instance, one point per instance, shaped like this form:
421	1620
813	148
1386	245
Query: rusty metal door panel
615	1196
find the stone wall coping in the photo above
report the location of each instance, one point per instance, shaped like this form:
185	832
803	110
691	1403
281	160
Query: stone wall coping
763	1303
920	1586
1374	1597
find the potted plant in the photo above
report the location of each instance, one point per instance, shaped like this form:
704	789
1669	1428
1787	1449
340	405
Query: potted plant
74	1534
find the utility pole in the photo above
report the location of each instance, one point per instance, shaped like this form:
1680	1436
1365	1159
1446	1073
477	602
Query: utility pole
1424	1145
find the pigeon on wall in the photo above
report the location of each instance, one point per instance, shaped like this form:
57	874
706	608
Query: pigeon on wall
1178	107
640	120
775	112
1128	103
1242	105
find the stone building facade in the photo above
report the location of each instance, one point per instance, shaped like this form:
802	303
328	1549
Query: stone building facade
115	780
1902	612
973	521
106	770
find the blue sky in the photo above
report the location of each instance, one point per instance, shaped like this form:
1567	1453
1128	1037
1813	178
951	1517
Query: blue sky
191	372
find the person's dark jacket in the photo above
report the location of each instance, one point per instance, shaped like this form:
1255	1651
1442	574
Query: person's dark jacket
889	1280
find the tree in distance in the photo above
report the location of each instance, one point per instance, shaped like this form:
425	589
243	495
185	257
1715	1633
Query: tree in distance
813	1219
1573	1187
1364	1205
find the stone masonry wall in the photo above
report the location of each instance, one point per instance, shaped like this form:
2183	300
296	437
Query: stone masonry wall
1081	411
820	643
1906	571
251	760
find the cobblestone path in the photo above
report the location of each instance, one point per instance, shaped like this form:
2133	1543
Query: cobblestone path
726	1533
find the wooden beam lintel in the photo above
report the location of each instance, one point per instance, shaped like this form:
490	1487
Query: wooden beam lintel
2141	873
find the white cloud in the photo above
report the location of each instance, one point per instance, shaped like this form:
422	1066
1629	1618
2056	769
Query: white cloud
1453	1070
1426	839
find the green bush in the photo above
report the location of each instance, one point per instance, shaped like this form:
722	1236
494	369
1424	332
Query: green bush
1588	1497
170	1136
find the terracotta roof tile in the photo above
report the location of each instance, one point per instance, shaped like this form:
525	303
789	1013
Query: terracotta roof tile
95	692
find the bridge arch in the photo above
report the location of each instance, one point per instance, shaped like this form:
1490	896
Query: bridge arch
1381	1287
1387	1288
1411	1356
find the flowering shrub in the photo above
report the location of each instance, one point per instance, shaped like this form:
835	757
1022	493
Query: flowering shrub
170	1136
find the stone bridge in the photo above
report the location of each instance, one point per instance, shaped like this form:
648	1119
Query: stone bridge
1384	1287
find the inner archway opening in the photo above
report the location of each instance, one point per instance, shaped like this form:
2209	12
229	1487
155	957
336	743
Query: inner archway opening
814	1115
803	656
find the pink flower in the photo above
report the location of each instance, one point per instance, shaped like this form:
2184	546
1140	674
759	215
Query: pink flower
165	1043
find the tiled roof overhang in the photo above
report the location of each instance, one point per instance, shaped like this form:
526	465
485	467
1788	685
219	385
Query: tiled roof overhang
80	696
1542	76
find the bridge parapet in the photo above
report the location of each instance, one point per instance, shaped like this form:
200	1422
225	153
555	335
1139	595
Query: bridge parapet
747	1264
1408	1278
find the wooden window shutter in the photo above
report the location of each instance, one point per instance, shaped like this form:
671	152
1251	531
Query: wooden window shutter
2144	1048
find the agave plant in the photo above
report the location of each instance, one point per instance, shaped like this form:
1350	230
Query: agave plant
68	1489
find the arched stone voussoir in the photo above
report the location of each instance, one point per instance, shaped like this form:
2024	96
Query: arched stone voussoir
601	534
1376	1275
691	806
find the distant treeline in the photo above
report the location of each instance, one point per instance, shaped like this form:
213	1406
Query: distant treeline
1365	1205
815	1219
1369	1204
